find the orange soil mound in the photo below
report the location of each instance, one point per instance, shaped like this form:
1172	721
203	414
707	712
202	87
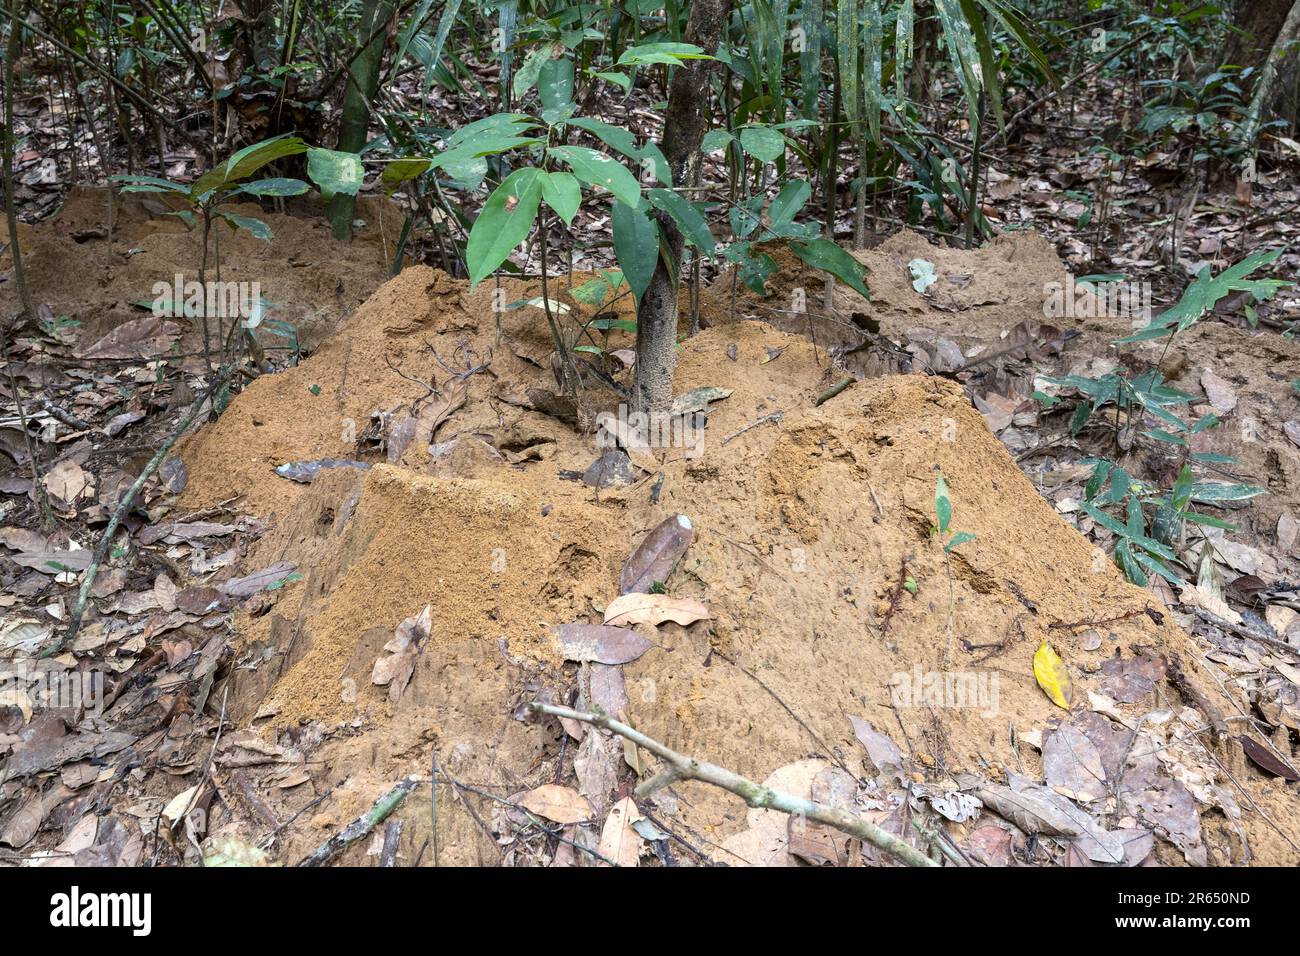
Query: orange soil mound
74	264
803	529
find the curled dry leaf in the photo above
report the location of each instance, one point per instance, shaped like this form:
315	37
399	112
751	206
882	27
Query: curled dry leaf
655	557
614	429
556	803
596	642
654	609
395	670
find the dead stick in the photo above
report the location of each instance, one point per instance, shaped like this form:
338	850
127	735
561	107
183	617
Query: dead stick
362	825
834	390
680	767
106	539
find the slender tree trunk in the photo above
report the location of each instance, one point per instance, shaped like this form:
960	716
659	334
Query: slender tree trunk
685	123
1266	85
362	84
10	142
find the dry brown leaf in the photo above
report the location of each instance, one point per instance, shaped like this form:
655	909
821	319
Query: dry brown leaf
596	642
68	481
629	609
655	557
557	803
618	840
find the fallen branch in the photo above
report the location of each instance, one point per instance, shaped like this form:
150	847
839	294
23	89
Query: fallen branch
362	825
123	508
680	767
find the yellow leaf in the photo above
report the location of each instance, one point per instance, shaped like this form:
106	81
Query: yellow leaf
1052	675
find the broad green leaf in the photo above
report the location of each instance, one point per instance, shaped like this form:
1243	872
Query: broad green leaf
529	72
622	141
598	169
821	253
245	162
636	243
402	170
792	197
762	142
687	217
555	84
563	194
506	218
256	227
714	140
335	171
274	187
669	54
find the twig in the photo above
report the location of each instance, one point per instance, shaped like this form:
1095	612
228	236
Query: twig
834	390
362	825
128	499
680	767
774	417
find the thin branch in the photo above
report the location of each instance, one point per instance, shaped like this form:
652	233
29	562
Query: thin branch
679	767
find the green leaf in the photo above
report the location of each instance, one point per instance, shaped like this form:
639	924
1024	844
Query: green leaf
669	54
555	85
335	171
529	72
245	162
687	217
942	504
591	292
622	141
823	254
714	140
403	170
148	184
636	243
274	187
792	197
563	194
619	79
599	169
506	218
762	142
961	537
259	229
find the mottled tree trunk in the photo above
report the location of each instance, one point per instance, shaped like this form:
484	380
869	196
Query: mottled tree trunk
685	123
362	83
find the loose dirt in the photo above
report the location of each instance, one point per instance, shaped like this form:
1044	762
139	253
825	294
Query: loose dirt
814	551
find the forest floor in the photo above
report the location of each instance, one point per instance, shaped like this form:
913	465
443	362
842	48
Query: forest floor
362	570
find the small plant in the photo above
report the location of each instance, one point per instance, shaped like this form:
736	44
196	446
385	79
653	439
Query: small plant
332	171
943	518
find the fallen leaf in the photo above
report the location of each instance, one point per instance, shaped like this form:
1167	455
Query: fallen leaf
655	557
628	609
395	670
1222	396
68	481
556	803
599	643
619	841
1052	675
1265	759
